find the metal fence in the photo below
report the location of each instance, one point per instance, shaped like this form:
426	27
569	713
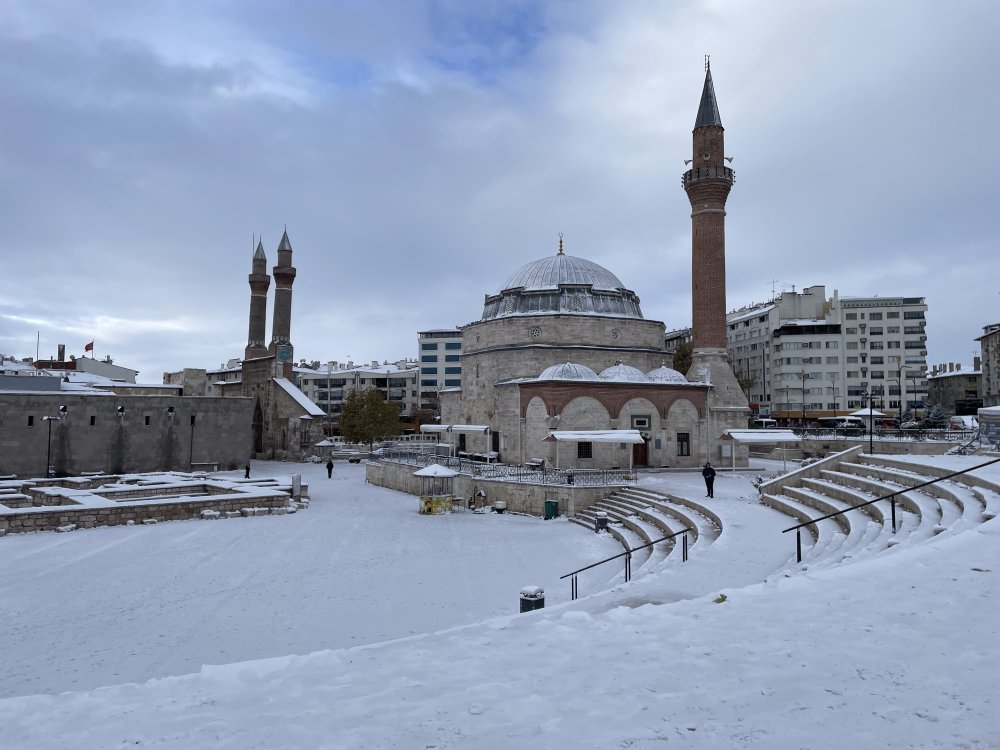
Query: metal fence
509	472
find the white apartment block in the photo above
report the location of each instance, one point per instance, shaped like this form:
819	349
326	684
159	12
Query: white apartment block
808	357
440	353
328	385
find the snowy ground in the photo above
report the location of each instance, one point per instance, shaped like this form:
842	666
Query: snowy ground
898	651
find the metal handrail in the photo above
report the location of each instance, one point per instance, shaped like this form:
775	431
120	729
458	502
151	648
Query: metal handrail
627	554
891	497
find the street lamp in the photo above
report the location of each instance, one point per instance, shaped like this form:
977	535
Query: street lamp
49	470
870	395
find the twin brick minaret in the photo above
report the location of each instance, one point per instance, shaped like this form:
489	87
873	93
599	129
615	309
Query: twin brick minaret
707	184
284	277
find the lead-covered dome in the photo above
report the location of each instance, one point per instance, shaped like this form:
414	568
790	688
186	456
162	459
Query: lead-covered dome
562	284
555	271
667	375
624	374
568	371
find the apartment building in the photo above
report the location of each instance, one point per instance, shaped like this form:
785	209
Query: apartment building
989	344
954	388
328	385
440	364
803	356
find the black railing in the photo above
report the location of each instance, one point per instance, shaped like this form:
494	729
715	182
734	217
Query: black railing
891	497
708	173
627	554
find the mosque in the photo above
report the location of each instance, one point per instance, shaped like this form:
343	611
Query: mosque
563	347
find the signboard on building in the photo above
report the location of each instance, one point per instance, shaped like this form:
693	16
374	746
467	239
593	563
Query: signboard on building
989	425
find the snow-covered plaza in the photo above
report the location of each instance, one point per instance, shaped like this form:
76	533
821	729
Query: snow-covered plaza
359	623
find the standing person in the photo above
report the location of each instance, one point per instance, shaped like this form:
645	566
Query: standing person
246	471
329	468
709	473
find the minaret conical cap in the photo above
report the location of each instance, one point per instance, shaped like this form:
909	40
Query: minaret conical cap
285	244
708	110
259	252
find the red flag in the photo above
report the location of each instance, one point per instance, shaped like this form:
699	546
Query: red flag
89	347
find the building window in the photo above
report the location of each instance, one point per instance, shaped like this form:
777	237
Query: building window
429	358
584	450
875	316
432	382
428	347
453	371
452	383
451	358
93	420
683	443
640	422
892	315
851	316
146	420
31	421
428	371
453	345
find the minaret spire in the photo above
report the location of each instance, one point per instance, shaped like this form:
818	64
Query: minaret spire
284	277
259	283
707	184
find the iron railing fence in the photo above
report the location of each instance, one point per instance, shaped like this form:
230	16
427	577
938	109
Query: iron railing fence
509	472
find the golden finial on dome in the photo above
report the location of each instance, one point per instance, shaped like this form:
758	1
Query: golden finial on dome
560	244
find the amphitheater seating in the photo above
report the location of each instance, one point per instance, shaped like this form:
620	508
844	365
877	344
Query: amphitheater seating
850	479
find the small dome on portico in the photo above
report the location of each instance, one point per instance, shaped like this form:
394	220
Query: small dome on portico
568	371
621	373
666	375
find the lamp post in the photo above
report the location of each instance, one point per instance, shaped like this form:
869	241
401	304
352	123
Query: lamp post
870	395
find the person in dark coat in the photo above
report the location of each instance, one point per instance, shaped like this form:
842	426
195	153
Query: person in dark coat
709	473
329	468
246	471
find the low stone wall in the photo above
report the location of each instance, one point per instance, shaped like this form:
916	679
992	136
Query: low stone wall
521	497
816	448
50	519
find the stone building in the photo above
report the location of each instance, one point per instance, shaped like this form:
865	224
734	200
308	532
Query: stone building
956	390
563	345
48	422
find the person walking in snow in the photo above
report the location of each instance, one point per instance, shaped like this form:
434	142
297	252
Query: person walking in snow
246	471
709	473
329	469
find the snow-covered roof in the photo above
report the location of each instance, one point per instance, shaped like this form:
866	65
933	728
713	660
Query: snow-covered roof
435	470
302	399
554	270
596	436
761	436
751	313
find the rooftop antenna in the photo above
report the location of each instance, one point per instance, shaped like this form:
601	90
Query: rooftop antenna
560	244
773	283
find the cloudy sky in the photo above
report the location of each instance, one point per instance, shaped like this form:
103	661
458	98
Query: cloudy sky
421	151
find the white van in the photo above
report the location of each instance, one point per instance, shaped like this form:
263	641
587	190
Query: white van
763	424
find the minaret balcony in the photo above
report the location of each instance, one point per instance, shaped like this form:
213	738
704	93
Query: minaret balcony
708	173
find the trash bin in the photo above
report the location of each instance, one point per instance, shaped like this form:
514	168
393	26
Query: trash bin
551	509
499	506
600	522
532	598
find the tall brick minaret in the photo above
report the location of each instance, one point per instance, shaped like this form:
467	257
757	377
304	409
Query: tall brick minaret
284	277
259	283
707	184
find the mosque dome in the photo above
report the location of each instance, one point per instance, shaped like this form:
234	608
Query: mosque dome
565	285
666	375
624	374
568	371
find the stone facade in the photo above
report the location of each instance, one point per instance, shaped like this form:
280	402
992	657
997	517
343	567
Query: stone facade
150	433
